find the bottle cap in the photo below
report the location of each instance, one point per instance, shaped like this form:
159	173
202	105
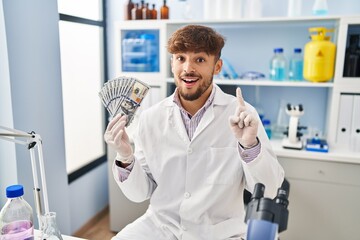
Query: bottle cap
297	50
278	50
266	122
14	191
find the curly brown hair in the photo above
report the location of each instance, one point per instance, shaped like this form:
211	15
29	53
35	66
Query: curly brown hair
196	38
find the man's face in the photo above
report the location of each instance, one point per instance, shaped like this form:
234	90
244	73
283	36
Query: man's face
193	73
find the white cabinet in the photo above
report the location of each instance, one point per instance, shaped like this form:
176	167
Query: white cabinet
324	199
324	188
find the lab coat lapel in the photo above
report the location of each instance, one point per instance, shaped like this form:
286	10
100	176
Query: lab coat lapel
177	123
205	121
219	99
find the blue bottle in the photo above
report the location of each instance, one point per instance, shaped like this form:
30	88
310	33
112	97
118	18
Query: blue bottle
267	125
278	65
296	66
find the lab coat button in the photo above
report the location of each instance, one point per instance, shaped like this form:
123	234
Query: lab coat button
189	150
183	228
187	195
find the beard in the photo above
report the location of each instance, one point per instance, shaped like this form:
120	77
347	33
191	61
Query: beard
199	91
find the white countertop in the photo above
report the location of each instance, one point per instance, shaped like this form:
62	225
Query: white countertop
334	154
38	236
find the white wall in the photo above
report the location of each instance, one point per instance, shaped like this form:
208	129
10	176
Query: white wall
8	175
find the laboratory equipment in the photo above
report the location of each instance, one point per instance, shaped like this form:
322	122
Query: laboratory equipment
127	9
296	66
278	65
352	57
293	134
164	11
153	12
140	51
16	217
316	144
267	217
50	230
252	75
267	126
33	141
320	8
319	56
123	95
294	8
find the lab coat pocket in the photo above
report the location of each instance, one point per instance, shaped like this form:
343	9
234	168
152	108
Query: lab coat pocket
223	166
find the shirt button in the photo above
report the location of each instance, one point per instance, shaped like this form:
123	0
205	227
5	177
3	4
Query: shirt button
187	195
189	150
245	155
183	228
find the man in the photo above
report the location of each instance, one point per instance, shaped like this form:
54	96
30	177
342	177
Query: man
188	160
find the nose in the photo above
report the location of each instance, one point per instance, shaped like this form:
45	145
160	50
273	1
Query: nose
188	67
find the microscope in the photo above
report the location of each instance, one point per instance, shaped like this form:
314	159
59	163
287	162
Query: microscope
293	134
267	217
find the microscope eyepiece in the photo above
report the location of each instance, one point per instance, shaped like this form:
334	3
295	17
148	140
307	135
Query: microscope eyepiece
259	190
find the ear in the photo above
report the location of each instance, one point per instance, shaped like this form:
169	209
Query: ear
218	66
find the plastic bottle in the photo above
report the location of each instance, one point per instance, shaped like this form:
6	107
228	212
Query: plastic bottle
278	65
267	125
16	217
320	8
296	66
164	11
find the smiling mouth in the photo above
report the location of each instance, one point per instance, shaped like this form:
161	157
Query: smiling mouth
189	78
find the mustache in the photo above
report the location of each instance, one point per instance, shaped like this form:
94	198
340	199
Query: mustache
189	75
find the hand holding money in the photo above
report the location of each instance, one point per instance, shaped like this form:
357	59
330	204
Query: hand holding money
123	95
116	137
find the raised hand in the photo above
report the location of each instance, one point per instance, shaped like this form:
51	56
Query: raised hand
244	123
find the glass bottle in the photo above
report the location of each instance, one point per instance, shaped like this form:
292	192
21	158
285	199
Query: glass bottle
50	231
16	217
136	13
278	65
164	11
296	65
153	12
128	7
146	12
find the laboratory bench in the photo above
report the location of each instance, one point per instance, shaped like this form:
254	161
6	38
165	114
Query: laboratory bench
324	193
65	237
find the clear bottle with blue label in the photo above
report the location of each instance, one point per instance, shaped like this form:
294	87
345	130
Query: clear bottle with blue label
278	65
296	66
16	217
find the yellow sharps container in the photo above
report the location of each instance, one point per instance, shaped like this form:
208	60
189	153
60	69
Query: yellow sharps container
319	56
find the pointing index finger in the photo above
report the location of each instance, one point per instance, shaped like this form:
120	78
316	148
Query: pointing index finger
240	97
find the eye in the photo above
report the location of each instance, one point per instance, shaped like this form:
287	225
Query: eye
200	60
180	58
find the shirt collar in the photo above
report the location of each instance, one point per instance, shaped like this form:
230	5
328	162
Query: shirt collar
208	102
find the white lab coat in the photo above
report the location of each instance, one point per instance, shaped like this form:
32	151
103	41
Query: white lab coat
196	187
